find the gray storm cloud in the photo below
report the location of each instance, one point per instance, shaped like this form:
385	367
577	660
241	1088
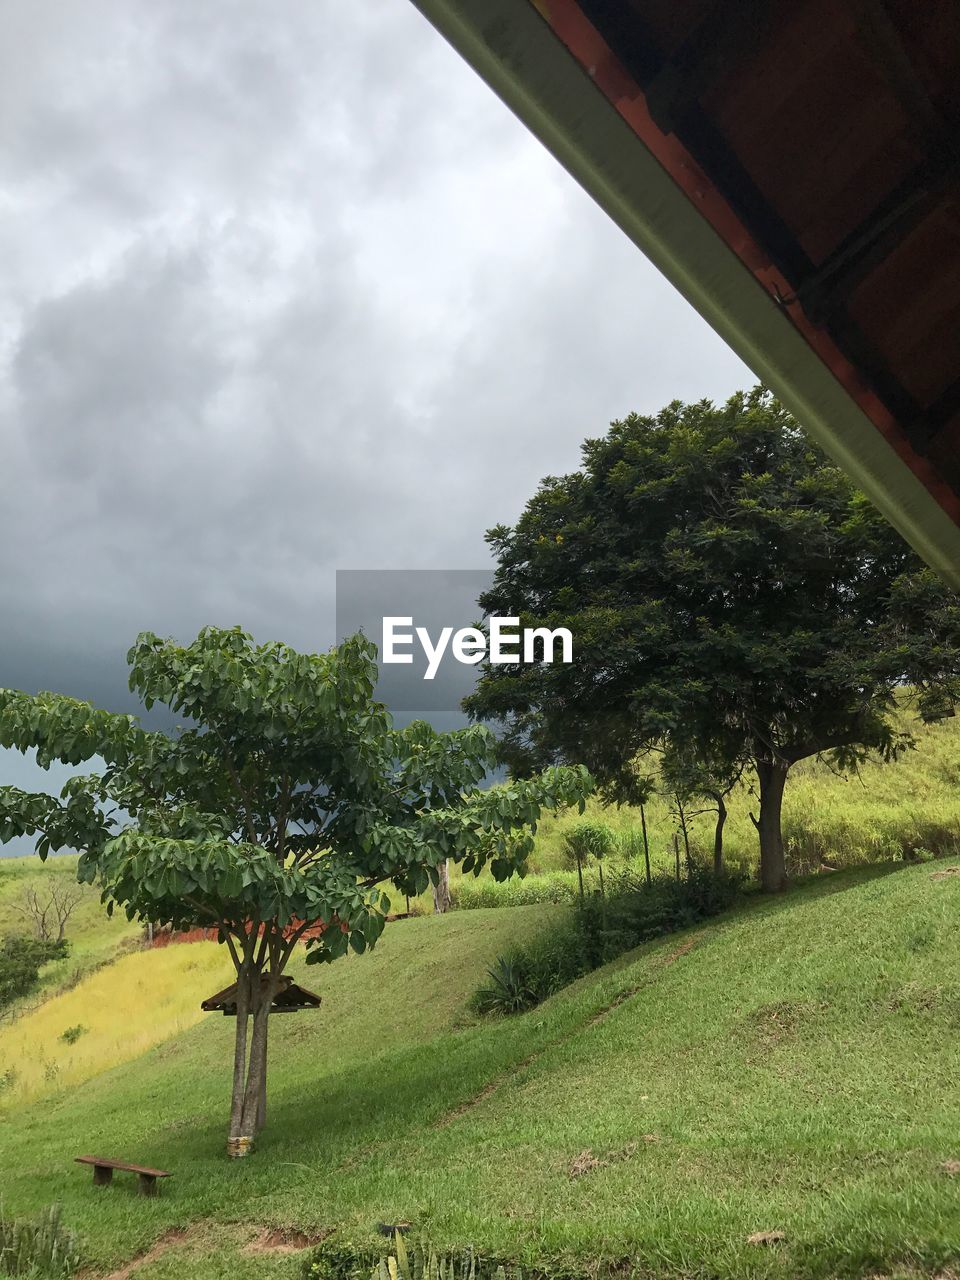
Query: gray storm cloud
287	290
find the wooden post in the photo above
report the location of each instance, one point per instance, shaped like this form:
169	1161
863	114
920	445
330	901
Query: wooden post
148	1184
102	1175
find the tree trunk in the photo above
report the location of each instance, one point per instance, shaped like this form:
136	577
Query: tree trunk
248	1110
718	836
239	1061
254	1101
646	844
262	1101
772	777
580	877
676	853
682	814
441	890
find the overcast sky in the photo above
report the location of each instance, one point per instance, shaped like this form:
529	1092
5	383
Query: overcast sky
286	289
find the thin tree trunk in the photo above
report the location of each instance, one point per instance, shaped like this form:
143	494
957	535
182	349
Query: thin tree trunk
262	1102
255	992
718	836
441	890
772	777
646	844
580	878
681	813
239	1057
602	890
676	853
256	1069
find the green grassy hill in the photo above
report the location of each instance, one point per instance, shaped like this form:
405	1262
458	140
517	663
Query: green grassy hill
791	1068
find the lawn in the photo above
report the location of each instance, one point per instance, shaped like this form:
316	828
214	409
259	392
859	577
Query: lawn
791	1068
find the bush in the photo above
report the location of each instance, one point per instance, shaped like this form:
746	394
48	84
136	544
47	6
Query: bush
635	912
43	1250
20	962
413	1261
524	979
587	840
599	930
72	1034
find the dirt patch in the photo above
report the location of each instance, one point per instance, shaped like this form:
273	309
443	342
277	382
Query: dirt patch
586	1161
175	1236
951	1166
282	1240
773	1024
946	873
682	950
766	1237
266	1240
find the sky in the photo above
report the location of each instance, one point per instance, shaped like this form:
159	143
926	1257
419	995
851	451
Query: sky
287	290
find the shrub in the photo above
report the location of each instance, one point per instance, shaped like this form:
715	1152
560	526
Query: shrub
20	962
72	1034
510	989
635	912
527	977
599	930
413	1261
42	1250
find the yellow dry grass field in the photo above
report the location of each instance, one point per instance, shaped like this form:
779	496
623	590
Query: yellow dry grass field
116	1014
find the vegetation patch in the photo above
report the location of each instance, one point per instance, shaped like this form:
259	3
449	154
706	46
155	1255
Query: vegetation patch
600	929
40	1249
21	960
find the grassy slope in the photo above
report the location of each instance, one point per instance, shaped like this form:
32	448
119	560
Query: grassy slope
794	1069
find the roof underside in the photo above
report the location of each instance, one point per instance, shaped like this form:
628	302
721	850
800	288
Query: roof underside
794	167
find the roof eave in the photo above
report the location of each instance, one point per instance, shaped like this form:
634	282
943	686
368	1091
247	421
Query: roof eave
514	50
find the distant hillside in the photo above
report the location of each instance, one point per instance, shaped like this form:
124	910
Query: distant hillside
888	809
93	936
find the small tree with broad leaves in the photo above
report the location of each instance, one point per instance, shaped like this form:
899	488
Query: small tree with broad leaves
288	801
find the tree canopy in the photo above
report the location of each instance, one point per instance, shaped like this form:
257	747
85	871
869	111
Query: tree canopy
729	593
287	801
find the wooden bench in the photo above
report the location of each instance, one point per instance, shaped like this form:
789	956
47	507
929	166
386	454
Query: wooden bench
103	1173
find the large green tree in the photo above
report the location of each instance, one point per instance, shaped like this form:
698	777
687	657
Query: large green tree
288	800
730	595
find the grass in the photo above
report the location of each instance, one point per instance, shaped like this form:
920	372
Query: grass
791	1068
